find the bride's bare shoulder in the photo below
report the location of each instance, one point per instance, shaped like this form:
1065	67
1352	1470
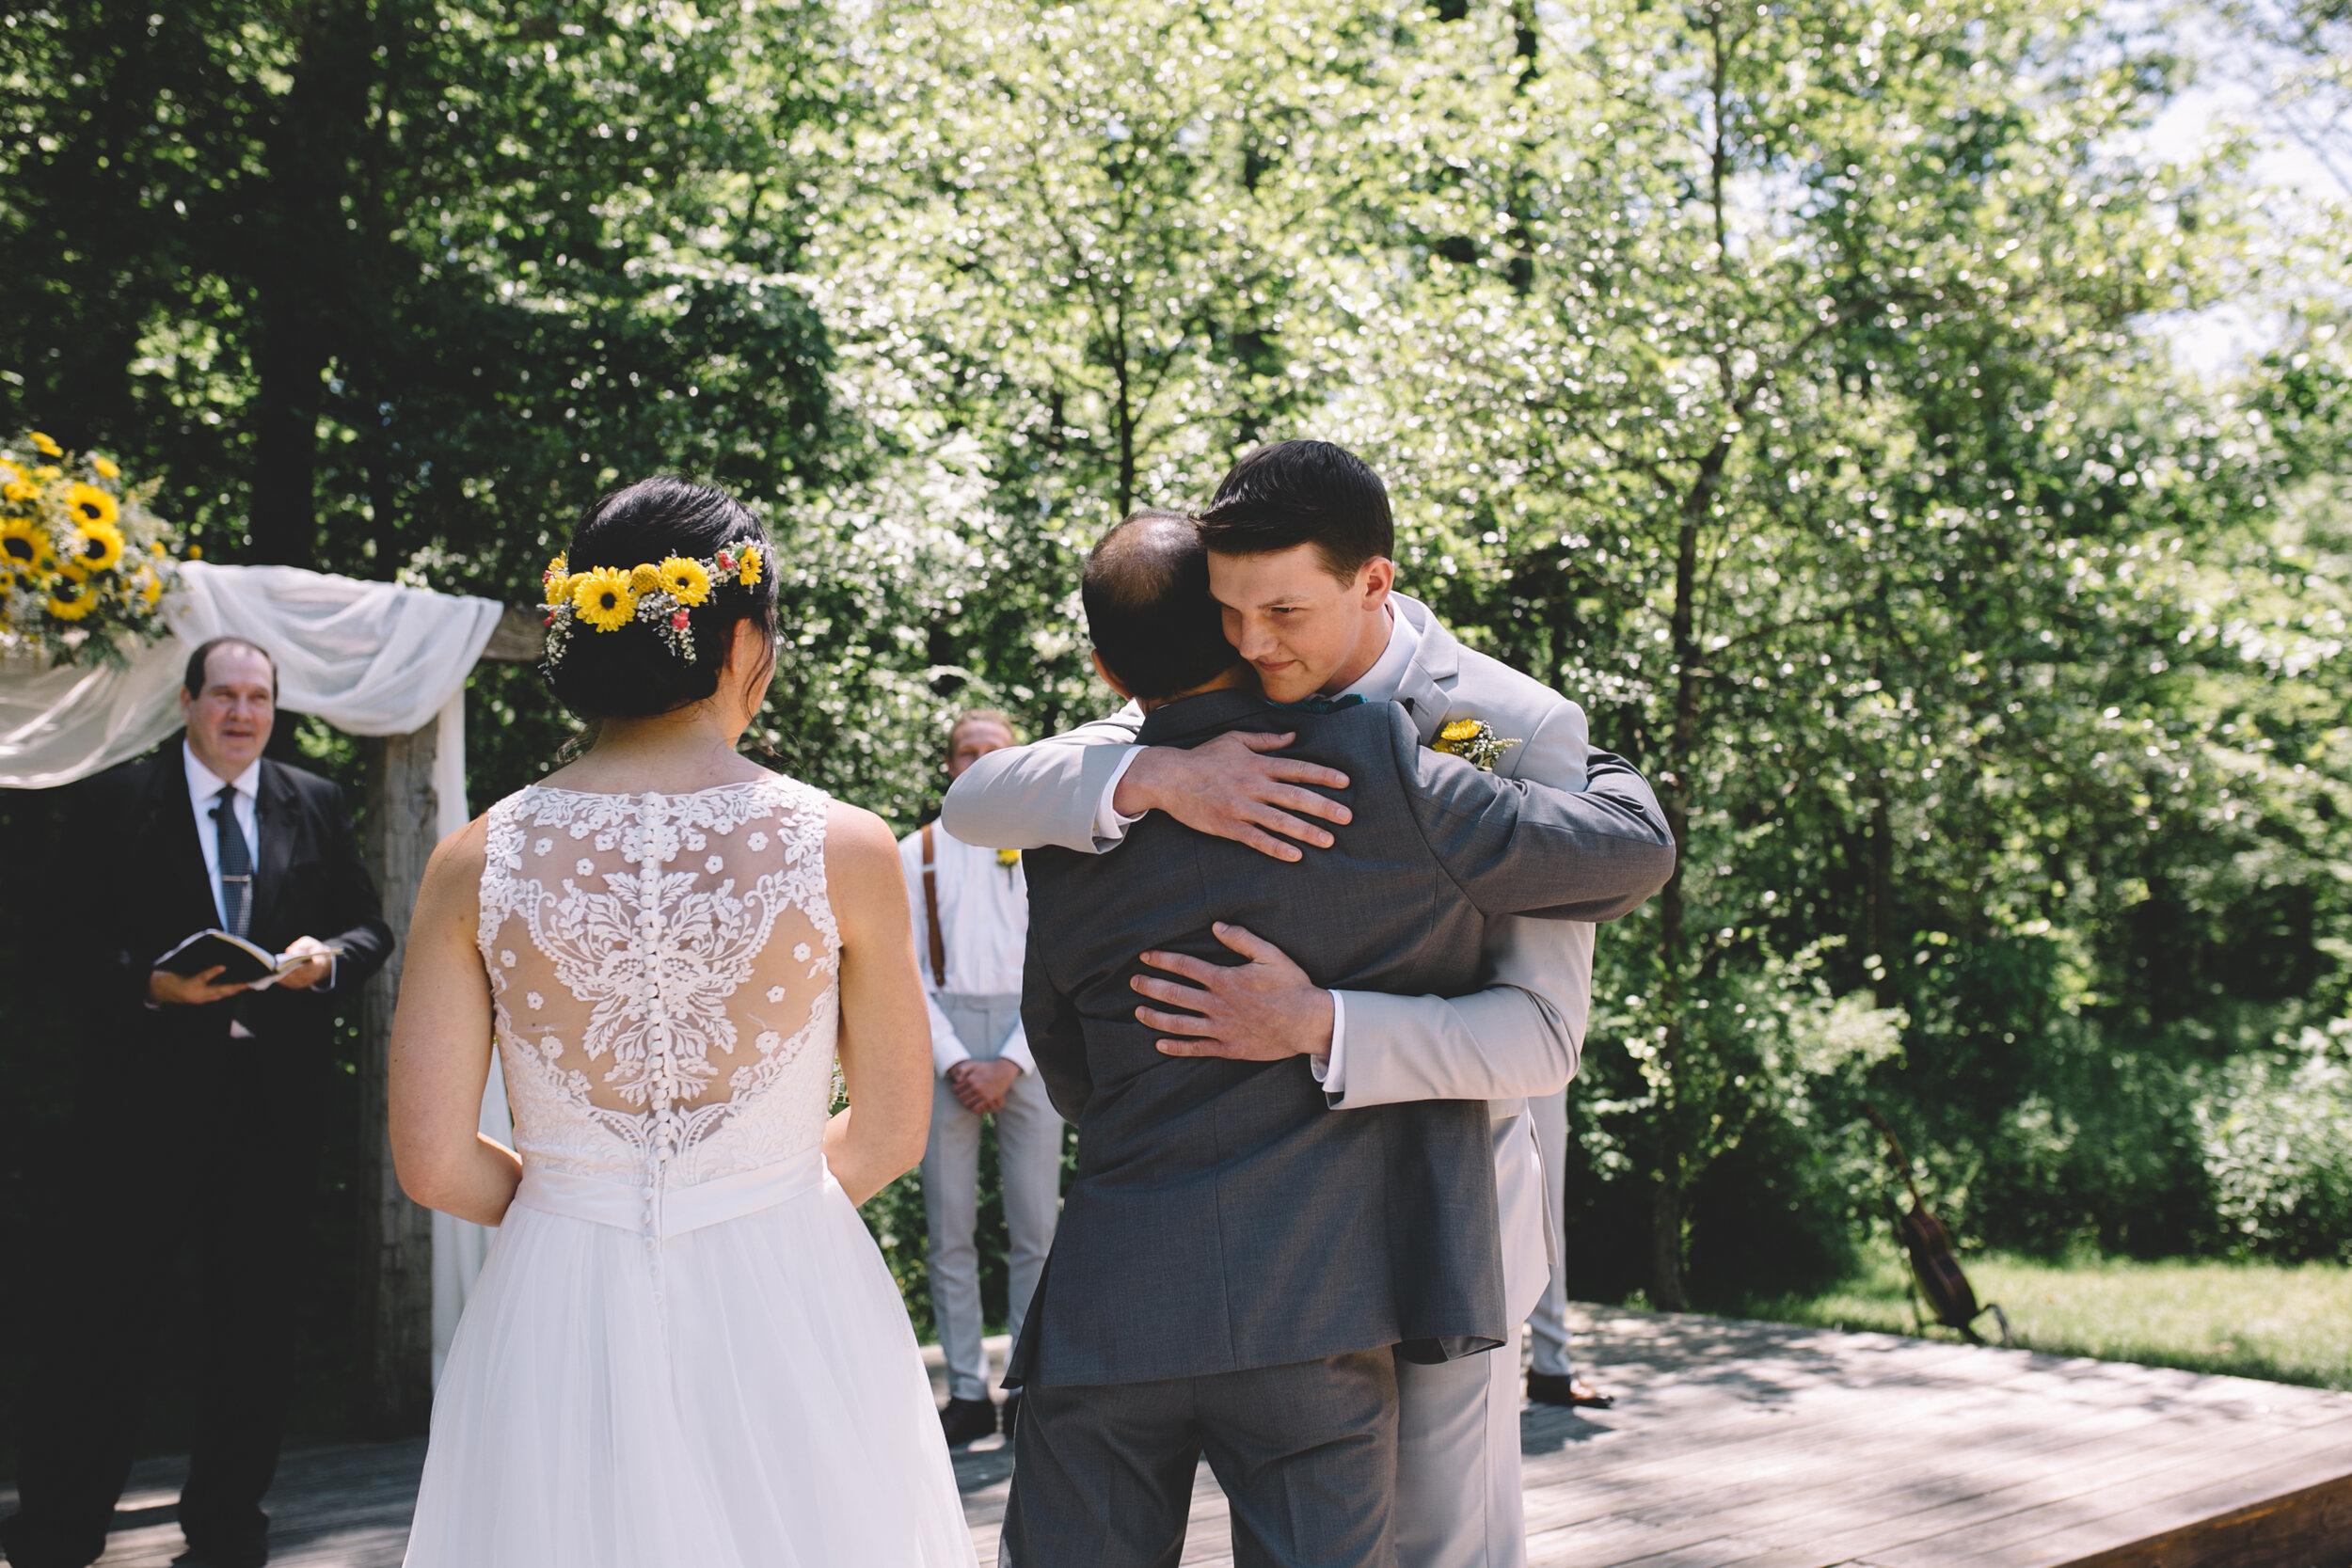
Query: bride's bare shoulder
858	841
452	877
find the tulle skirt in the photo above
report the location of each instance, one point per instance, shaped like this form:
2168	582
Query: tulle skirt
749	1395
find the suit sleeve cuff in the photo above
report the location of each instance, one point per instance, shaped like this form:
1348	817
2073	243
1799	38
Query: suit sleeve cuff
1110	828
1331	1071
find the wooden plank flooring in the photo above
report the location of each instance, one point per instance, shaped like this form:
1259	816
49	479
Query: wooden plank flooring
1731	1444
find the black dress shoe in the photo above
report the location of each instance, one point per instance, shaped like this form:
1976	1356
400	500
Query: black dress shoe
964	1419
1571	1392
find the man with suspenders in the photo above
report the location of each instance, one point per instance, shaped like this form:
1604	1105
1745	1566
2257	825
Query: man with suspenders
971	908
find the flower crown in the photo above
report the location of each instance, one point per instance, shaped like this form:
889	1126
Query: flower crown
609	597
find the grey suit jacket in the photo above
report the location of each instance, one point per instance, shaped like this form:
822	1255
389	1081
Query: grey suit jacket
1519	1038
1222	1218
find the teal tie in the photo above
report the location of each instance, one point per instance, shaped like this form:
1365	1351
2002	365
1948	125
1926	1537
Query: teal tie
1322	704
236	864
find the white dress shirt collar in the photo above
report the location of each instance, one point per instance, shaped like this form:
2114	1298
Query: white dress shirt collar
204	784
1381	683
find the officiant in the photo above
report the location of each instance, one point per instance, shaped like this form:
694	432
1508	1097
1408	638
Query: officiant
198	1119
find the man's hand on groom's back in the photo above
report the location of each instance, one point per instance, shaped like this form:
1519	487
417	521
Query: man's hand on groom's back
1259	1011
1228	788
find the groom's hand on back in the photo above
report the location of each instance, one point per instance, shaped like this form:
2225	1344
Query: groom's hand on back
1259	1011
1228	788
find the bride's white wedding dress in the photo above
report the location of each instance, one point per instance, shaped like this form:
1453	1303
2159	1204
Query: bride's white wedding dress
685	1349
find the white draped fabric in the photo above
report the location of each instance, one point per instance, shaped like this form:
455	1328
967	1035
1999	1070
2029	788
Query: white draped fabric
369	657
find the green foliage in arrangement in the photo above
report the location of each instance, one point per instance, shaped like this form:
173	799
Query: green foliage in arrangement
1781	381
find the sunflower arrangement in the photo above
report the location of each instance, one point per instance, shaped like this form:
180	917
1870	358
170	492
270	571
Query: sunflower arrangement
661	593
83	565
1474	741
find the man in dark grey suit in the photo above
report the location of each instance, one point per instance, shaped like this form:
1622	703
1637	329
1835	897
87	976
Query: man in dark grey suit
1238	1269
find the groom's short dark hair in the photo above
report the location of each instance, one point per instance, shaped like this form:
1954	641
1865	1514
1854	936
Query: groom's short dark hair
1293	493
1148	607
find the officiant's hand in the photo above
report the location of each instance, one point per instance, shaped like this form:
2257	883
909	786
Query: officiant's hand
321	963
1226	789
189	990
1259	1011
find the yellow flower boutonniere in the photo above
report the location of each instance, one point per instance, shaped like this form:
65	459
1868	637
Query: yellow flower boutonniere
1008	858
1474	741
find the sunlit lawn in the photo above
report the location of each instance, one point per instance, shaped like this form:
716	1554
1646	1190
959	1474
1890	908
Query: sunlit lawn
2288	1324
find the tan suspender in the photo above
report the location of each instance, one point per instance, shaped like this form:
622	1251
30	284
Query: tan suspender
931	907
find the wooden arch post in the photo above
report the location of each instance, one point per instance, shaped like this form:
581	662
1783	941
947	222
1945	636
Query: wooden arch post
395	1283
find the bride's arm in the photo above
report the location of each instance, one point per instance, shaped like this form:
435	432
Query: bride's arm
885	1034
441	1047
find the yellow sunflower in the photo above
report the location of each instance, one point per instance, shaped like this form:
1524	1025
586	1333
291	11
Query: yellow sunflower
23	544
95	547
90	504
604	598
43	445
749	576
556	582
71	600
645	579
106	468
15	484
685	581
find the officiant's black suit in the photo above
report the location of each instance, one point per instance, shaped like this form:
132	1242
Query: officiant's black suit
1237	1260
185	1134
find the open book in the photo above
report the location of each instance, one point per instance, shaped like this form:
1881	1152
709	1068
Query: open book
242	962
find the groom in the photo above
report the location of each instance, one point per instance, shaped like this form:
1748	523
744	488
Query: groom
1238	1271
1300	541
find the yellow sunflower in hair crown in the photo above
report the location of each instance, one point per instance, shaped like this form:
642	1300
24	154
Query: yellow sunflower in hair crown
604	597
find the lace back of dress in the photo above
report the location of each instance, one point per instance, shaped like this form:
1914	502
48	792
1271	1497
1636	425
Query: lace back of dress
663	970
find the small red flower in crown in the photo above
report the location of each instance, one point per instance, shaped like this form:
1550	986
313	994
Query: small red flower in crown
680	620
725	560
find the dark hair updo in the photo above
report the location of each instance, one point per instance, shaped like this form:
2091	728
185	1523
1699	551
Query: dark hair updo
631	673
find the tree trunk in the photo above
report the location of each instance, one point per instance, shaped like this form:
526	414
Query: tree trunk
303	267
395	1285
1882	899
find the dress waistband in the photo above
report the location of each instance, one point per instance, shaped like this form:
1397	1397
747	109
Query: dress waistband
659	1213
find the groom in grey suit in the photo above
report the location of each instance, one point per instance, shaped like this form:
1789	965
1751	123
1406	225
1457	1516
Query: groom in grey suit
1300	536
1236	1269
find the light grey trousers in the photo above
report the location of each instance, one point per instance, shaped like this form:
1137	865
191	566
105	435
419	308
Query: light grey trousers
1548	1325
1028	1151
1458	1503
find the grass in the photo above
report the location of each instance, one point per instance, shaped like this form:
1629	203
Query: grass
2284	1324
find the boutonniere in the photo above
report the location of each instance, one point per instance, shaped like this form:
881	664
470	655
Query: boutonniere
1474	741
1009	857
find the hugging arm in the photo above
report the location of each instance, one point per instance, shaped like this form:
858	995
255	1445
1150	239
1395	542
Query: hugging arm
1081	790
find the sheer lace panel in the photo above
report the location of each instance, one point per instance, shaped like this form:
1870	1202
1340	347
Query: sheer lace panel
665	973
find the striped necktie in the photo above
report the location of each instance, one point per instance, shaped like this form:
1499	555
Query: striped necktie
236	864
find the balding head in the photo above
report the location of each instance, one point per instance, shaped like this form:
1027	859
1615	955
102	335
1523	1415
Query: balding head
1147	608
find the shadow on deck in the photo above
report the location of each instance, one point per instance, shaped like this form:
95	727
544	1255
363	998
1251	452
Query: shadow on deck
1732	1443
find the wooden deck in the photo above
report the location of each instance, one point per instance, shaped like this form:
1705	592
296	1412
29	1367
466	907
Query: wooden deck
1731	1444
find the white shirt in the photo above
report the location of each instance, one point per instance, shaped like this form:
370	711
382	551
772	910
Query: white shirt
984	926
203	792
1378	684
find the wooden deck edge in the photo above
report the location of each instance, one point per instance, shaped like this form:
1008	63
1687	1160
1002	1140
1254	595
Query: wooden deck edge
2310	1528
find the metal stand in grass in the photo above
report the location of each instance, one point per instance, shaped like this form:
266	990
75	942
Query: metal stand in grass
1935	1272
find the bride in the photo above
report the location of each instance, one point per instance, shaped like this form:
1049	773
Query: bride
685	1349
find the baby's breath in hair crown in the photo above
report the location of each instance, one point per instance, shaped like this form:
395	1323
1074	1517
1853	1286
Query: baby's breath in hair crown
606	599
